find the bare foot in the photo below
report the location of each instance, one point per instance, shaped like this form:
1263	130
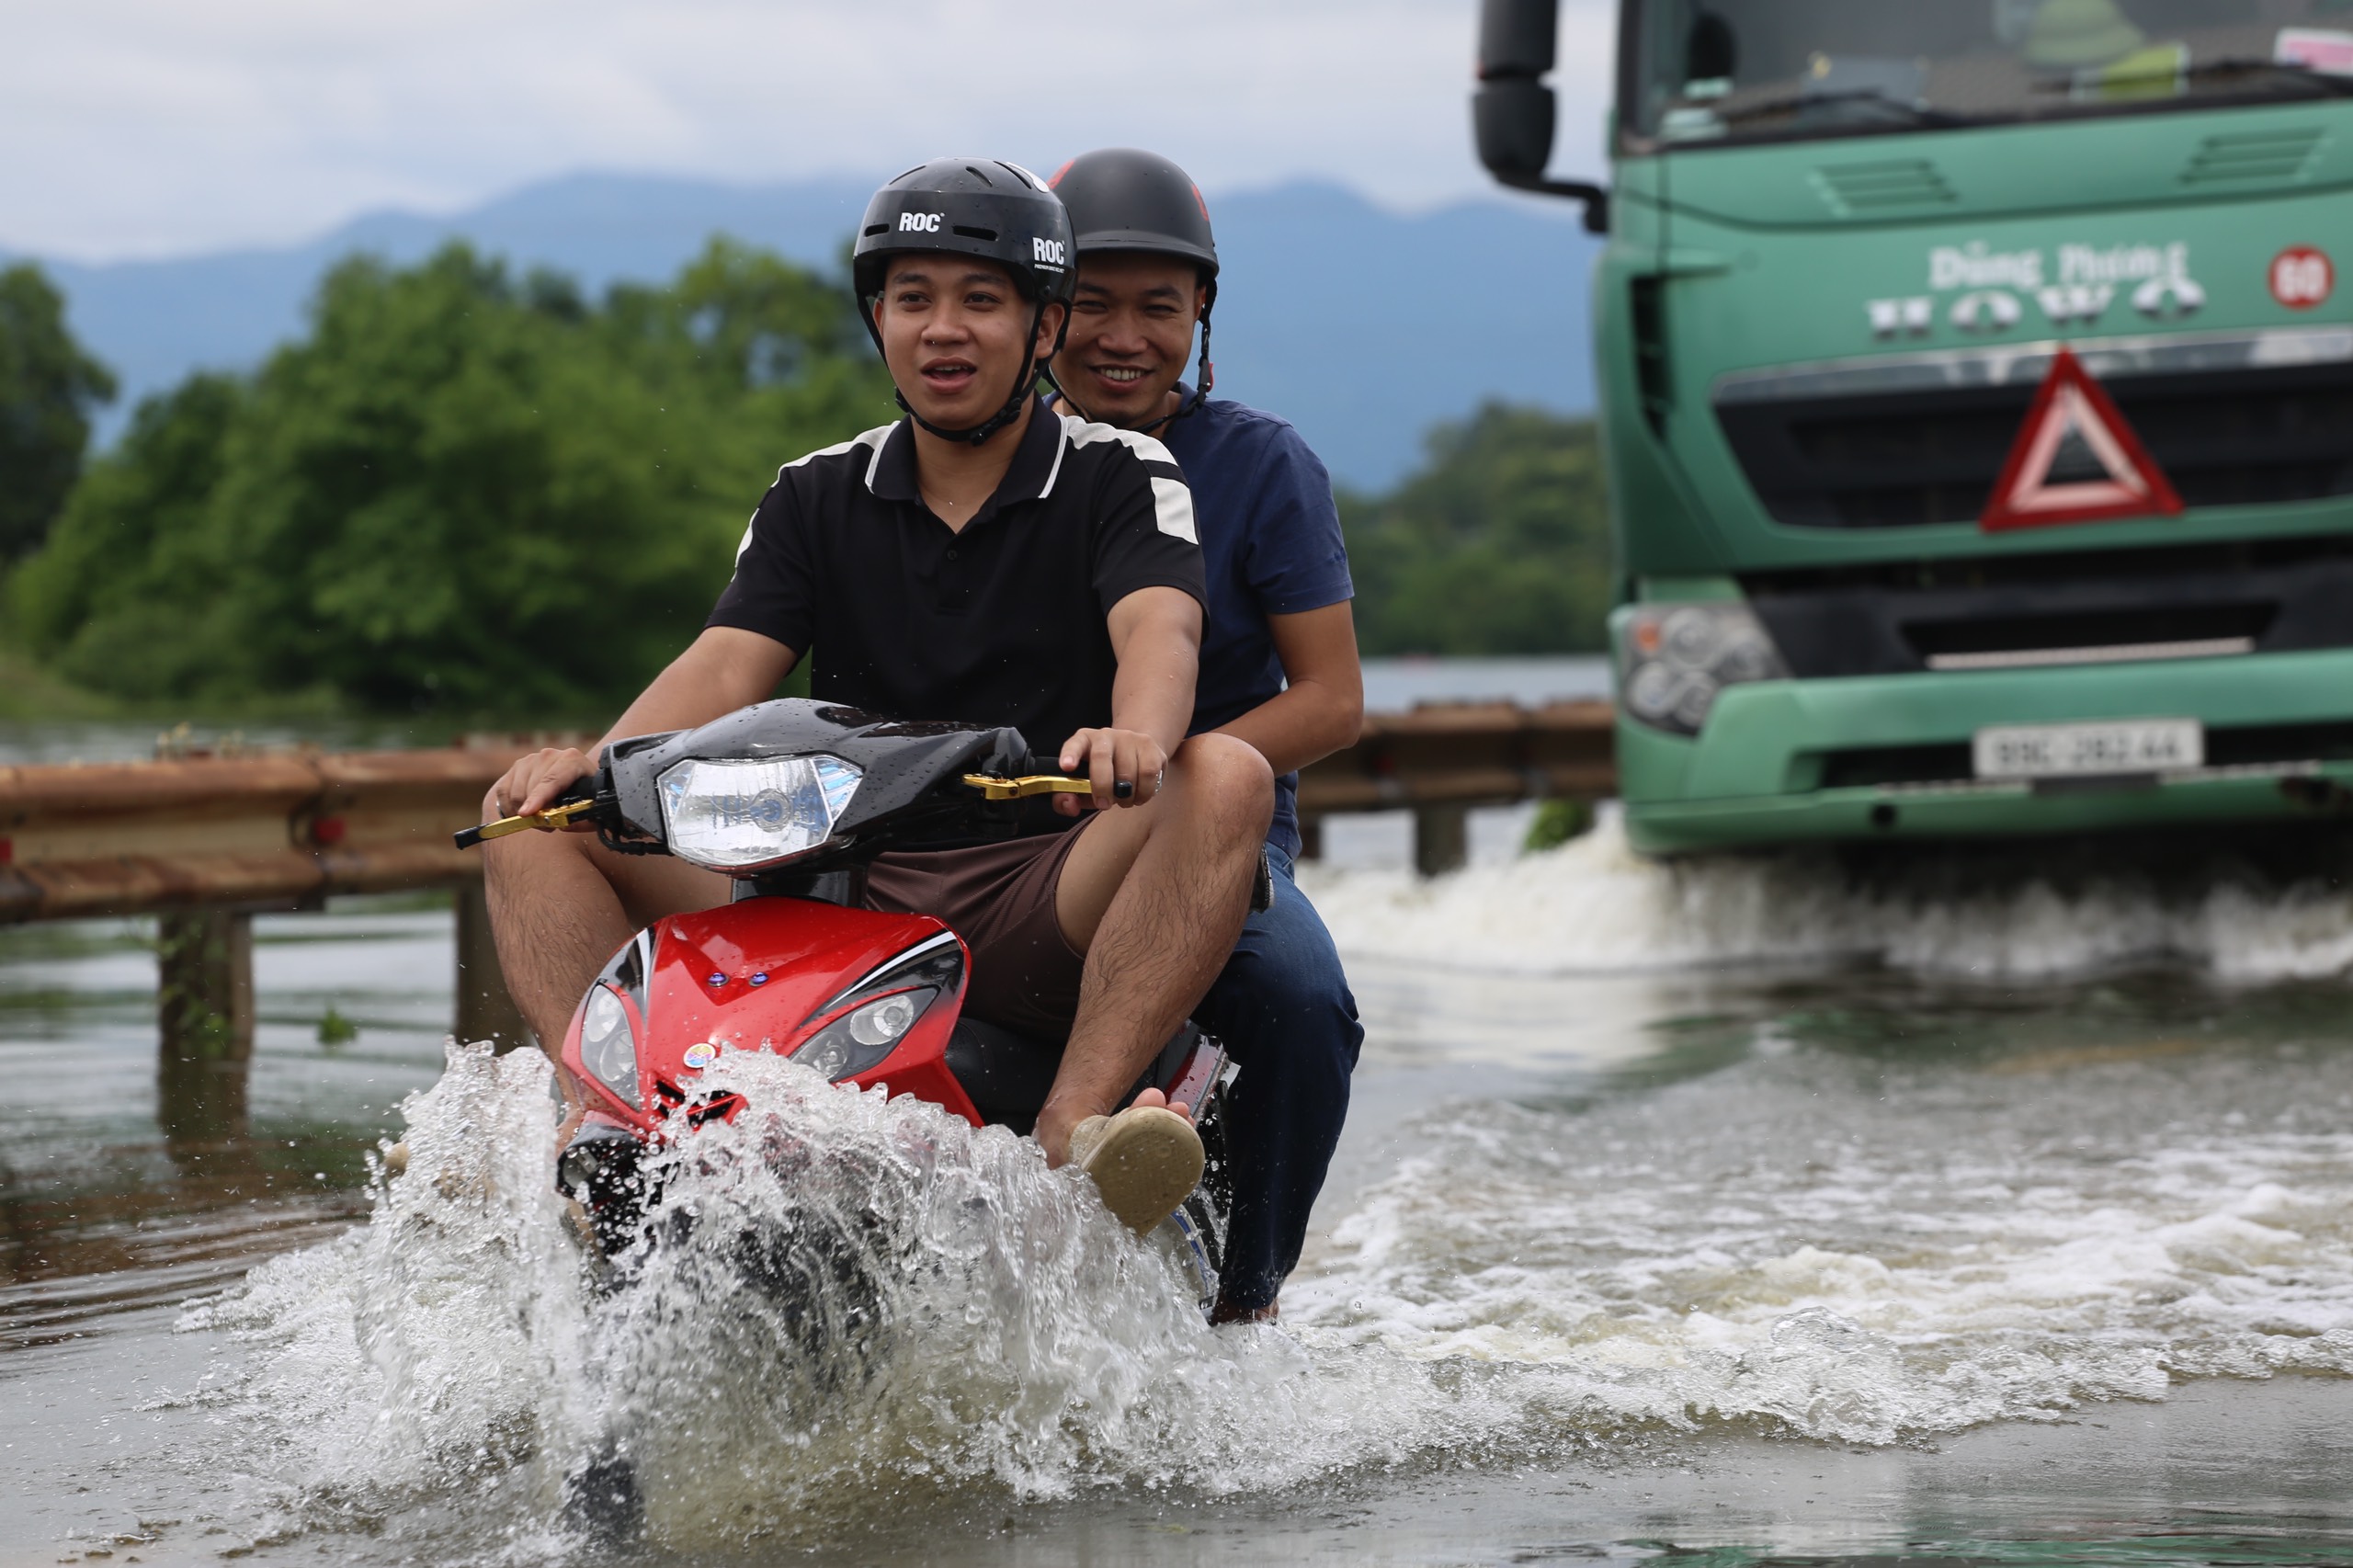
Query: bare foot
1144	1161
1154	1098
1056	1125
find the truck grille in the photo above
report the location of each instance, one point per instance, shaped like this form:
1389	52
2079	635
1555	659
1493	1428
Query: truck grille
2040	610
1914	441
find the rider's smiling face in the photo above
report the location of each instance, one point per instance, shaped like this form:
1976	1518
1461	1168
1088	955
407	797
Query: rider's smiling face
1131	332
956	334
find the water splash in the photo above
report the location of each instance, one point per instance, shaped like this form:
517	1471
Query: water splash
1789	1245
845	1291
1595	906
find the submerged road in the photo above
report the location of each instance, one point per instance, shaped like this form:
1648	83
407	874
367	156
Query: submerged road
1771	1211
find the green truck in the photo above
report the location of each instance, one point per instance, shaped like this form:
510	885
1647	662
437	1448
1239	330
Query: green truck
1976	377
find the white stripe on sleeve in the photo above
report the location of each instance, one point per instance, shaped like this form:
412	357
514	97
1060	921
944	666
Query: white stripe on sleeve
1172	507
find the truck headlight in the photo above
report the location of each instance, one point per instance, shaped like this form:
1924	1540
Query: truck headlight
747	816
1672	660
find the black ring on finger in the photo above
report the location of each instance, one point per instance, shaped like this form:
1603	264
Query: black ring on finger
1124	789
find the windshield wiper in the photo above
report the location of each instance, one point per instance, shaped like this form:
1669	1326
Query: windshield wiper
2327	81
1897	109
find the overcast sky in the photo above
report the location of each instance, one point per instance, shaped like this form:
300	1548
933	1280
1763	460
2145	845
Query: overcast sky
158	127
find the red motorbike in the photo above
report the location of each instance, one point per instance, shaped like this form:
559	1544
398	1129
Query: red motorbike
792	800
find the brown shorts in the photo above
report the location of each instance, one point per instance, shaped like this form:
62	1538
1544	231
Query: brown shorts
1000	898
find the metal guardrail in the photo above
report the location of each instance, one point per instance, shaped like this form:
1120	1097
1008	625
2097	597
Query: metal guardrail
287	830
1440	759
207	842
275	830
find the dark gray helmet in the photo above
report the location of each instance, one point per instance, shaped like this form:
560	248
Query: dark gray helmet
979	206
1124	199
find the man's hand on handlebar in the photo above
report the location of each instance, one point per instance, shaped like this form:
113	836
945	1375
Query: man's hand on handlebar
534	782
1126	766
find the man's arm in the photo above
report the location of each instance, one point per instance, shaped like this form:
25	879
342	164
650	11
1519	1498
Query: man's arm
1321	711
723	669
1157	638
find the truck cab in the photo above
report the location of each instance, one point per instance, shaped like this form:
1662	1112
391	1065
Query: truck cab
1976	382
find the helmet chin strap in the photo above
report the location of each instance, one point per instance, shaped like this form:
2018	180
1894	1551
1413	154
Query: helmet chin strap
1023	384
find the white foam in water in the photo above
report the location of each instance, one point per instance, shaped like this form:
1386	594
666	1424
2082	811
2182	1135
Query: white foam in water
1595	906
1865	1260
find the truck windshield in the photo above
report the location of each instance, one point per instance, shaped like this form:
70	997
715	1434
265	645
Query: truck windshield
1752	70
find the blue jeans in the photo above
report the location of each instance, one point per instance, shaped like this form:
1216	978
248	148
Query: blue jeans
1283	1011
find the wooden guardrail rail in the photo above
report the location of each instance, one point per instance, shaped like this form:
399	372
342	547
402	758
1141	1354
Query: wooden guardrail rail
206	842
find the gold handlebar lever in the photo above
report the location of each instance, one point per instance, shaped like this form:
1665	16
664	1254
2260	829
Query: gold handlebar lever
997	788
548	821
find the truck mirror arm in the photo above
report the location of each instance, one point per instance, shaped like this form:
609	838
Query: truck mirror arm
1595	197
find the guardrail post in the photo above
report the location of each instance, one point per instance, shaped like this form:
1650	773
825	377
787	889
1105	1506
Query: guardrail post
1441	838
484	1009
204	960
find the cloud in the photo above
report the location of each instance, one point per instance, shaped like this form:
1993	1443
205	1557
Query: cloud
152	127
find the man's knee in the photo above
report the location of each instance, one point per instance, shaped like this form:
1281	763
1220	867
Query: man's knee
1303	1011
1231	779
520	863
1284	978
526	868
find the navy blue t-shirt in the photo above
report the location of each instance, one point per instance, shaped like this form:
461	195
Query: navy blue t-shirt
1270	542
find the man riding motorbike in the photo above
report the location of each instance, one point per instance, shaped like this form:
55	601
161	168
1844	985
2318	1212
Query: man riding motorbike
1277	669
982	561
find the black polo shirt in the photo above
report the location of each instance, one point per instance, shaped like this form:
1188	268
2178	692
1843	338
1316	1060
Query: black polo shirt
1001	623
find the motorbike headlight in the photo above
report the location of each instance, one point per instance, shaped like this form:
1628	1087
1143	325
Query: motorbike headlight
1674	658
608	1045
883	1005
745	815
863	1036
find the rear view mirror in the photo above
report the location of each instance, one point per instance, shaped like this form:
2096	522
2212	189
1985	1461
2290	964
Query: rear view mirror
1513	112
1513	121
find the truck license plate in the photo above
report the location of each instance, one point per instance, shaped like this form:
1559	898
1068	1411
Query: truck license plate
2077	751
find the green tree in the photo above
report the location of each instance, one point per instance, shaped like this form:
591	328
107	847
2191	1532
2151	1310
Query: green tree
1498	544
459	493
48	386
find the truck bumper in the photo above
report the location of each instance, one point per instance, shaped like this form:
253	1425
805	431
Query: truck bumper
1771	764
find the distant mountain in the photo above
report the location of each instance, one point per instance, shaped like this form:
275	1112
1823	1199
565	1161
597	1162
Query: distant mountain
1361	327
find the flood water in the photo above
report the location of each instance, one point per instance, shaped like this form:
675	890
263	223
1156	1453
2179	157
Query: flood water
1993	1208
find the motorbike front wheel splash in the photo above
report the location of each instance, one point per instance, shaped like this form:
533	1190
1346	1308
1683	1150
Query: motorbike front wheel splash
1190	1239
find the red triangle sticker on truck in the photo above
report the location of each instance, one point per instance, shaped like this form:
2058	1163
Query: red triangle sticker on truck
2076	461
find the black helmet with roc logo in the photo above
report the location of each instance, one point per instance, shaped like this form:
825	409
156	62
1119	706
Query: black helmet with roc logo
1123	199
980	207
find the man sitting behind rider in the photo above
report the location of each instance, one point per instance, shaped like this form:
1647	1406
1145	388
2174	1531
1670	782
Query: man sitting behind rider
982	561
1279	670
